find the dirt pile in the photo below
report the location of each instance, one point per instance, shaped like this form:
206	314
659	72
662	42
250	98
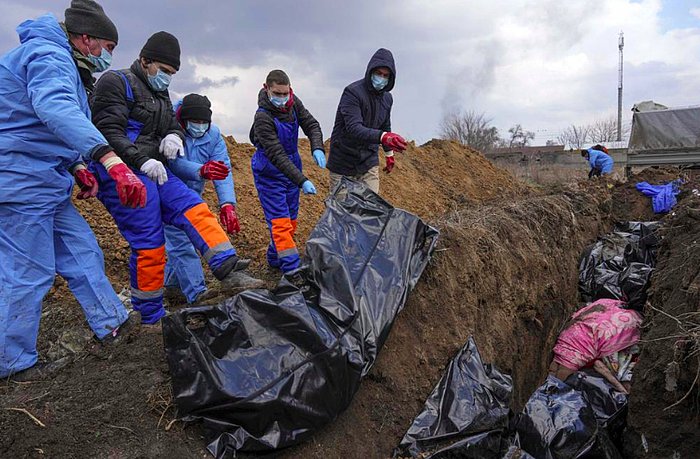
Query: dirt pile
665	400
428	181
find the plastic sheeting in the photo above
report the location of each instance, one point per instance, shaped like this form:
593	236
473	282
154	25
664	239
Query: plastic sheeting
266	369
619	265
663	197
467	416
466	413
675	129
577	419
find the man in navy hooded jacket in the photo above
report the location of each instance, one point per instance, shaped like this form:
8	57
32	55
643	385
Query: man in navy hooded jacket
362	122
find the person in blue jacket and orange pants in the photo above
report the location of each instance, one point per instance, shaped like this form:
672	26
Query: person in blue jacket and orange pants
276	164
206	158
132	108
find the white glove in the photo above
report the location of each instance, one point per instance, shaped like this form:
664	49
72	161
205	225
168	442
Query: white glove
171	147
155	171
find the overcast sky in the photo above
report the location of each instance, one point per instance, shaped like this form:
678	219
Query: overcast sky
543	63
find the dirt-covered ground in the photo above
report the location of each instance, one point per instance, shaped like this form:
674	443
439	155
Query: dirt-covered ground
505	271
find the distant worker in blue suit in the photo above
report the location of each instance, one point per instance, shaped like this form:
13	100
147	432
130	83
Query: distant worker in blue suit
601	163
206	158
45	138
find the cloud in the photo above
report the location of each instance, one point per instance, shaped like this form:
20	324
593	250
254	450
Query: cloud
695	12
545	64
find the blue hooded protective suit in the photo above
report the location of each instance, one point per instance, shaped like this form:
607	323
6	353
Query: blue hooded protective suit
183	268
600	160
45	128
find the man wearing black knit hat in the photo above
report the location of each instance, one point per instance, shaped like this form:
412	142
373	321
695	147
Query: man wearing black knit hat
132	109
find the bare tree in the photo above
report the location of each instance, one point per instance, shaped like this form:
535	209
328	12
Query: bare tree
519	137
575	136
605	130
470	128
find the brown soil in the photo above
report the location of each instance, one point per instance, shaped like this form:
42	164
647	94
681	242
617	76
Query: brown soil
671	346
505	271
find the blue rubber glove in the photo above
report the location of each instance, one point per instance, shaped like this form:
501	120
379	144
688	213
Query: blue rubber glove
320	158
308	187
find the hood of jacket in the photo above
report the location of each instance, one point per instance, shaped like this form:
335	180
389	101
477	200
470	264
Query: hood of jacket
45	27
382	58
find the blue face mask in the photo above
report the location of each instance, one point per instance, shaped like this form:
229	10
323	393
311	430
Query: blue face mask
278	101
197	130
160	81
101	62
379	82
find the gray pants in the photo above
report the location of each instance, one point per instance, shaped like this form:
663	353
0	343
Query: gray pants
369	178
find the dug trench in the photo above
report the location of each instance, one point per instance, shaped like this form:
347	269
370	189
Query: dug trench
505	272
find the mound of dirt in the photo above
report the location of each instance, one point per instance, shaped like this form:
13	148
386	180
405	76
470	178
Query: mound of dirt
428	181
665	399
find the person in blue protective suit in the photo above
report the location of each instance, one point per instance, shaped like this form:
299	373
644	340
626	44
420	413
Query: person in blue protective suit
206	158
132	108
362	123
45	135
601	163
276	164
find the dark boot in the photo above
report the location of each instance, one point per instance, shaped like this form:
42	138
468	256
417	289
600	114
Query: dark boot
123	333
241	280
41	371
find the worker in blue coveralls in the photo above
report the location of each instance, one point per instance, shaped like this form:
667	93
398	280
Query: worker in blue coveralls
601	163
132	108
45	135
276	164
206	158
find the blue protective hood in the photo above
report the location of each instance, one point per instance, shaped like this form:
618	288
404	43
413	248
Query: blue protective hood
45	27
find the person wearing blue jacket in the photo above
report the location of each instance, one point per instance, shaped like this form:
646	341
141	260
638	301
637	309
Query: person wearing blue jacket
45	137
362	123
206	158
601	163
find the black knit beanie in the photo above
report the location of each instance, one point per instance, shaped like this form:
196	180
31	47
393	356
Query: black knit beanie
87	17
163	47
195	107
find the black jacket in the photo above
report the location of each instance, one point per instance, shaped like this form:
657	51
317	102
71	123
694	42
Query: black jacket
111	111
263	133
363	114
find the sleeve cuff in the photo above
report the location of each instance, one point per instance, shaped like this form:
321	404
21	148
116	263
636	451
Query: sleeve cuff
99	151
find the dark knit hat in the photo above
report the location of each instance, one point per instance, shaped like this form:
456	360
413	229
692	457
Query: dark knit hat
195	107
163	47
87	17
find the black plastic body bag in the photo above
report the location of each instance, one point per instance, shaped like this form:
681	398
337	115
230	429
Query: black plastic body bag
467	413
266	369
619	265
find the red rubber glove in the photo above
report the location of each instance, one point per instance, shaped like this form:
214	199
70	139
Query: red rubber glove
132	192
394	141
229	219
214	170
87	183
389	164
